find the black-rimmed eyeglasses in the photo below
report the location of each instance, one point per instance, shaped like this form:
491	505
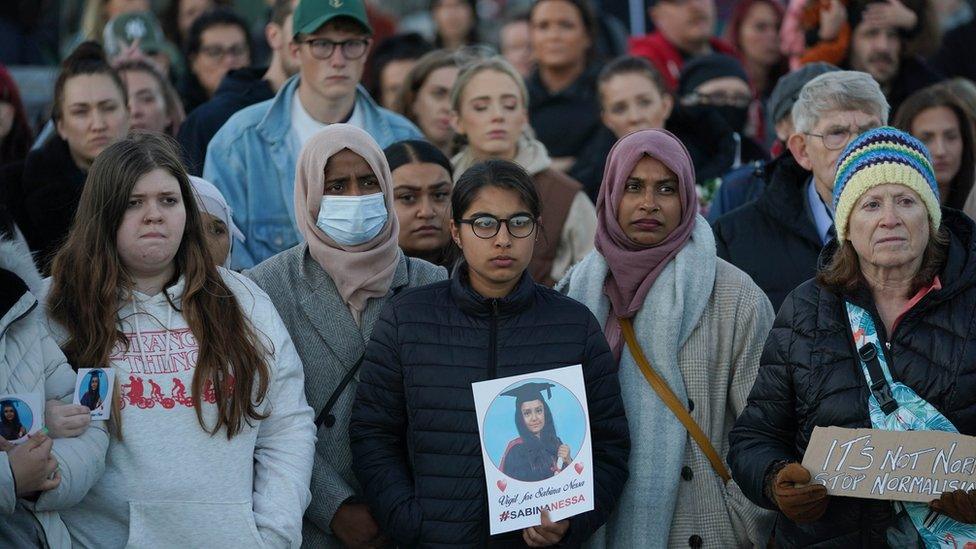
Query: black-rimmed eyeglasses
322	48
487	226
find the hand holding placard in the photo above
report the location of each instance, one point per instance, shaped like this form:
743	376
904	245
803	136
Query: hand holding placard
959	505
799	500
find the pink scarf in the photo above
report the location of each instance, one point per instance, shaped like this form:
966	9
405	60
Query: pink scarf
359	272
635	267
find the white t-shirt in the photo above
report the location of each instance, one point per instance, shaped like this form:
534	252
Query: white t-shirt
305	126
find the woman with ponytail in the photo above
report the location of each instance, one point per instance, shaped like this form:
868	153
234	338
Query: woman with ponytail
89	114
211	435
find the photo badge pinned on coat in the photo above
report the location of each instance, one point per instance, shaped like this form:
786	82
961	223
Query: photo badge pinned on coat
536	447
93	389
21	415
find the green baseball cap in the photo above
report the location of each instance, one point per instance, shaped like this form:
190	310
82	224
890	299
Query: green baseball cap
125	29
310	15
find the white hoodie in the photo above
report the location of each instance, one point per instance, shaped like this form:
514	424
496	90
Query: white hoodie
167	482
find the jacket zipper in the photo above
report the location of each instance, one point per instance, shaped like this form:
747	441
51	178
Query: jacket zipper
493	341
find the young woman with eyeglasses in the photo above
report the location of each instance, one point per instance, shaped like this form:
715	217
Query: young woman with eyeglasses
414	433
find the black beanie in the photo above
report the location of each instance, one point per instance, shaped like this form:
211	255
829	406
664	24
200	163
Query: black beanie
708	67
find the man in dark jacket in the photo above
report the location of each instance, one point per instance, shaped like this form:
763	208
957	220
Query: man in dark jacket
955	56
879	50
240	88
776	239
748	182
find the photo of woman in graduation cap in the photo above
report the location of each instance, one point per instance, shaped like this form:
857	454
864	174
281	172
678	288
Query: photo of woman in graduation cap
11	427
537	453
91	396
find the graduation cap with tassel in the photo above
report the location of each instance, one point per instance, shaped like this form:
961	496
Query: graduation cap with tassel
530	391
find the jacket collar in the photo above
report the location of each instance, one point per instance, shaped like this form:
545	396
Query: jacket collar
326	312
473	303
785	197
52	164
241	80
276	124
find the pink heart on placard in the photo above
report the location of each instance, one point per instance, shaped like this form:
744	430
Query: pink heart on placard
579	468
502	485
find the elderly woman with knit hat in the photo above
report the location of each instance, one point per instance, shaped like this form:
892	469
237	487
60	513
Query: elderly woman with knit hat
687	330
329	291
882	338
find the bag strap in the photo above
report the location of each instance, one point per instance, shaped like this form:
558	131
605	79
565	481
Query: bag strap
671	400
325	416
868	353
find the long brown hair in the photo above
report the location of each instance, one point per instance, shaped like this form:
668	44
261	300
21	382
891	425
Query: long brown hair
89	280
939	95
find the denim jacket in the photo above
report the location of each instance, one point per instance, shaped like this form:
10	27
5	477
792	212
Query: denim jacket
252	161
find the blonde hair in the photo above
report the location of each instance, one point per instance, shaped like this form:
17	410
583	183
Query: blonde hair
495	63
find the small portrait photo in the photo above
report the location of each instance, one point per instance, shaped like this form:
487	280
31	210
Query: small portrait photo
94	390
534	429
17	418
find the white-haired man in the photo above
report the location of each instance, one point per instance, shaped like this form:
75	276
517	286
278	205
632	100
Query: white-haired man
777	239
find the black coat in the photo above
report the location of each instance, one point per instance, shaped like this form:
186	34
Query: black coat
240	88
773	239
810	375
955	56
414	431
42	193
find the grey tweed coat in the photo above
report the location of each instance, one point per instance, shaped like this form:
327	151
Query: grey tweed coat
329	343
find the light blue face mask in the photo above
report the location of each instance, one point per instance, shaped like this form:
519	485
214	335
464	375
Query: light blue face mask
352	220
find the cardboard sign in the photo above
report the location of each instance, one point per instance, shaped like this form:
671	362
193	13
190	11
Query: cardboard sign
535	442
20	415
93	388
891	465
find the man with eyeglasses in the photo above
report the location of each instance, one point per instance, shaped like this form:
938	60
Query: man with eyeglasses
777	239
252	158
218	43
684	30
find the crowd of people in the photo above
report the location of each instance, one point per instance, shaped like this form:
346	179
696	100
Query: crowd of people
309	226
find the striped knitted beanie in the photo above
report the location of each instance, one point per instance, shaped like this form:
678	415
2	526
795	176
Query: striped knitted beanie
880	156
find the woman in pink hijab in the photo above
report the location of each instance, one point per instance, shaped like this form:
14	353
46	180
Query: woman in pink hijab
699	322
329	291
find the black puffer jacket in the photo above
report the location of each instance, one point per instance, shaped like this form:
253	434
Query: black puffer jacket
414	431
42	193
773	239
810	375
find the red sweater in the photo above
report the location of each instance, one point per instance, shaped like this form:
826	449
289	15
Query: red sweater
666	57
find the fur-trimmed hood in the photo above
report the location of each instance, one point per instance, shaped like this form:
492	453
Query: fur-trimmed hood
16	258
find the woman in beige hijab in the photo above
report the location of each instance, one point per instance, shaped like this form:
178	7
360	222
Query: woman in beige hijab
329	291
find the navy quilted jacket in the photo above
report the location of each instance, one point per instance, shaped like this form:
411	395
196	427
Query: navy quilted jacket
810	375
414	432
